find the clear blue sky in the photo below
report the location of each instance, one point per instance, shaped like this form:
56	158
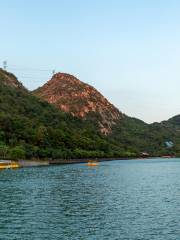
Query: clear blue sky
129	50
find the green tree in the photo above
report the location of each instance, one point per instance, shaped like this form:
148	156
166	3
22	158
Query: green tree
17	152
3	150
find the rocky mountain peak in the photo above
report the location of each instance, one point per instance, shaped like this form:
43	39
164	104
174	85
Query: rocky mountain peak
71	95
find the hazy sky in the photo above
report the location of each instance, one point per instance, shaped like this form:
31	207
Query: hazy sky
128	49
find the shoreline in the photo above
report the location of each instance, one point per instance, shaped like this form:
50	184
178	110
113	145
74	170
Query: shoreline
85	160
47	162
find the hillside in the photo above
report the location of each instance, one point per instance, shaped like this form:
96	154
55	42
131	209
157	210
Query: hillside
30	127
71	95
33	128
174	121
142	137
9	79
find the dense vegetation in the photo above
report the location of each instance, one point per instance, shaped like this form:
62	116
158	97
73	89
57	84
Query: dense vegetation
150	138
31	128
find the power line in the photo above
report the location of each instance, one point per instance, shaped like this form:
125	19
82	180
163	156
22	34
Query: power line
14	67
25	68
29	75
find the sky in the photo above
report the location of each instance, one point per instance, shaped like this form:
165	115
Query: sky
128	49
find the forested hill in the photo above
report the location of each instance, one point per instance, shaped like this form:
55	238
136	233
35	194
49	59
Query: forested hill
33	128
149	138
30	127
82	100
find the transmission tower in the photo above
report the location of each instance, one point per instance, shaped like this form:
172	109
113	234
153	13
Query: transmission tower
5	65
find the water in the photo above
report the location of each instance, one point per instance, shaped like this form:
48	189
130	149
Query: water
134	200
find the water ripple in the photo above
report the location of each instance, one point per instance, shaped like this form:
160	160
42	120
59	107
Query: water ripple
130	200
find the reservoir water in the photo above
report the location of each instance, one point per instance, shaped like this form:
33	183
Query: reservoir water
129	200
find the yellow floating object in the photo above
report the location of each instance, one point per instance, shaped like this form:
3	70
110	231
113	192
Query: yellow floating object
9	165
92	163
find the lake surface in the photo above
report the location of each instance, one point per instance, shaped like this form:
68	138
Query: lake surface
138	199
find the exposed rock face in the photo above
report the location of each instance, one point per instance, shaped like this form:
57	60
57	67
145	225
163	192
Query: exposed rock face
10	80
81	100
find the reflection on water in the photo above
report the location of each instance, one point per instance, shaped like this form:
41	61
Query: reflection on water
136	199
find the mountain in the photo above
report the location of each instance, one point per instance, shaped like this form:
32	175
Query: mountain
71	95
33	128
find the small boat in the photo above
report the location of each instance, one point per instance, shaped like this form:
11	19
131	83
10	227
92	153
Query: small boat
9	165
92	163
